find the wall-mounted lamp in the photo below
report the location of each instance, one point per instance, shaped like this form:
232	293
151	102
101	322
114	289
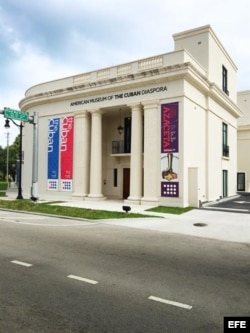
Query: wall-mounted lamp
120	128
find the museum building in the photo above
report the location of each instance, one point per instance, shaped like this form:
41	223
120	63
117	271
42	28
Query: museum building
155	131
243	143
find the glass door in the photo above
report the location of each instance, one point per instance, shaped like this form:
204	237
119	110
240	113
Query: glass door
241	181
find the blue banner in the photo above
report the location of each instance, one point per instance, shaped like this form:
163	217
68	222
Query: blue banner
53	153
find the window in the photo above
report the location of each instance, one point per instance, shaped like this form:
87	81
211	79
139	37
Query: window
225	147
224	80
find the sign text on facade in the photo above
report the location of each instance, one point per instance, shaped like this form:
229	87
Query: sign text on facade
119	96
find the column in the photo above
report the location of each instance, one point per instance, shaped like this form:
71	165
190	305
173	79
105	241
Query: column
152	166
136	155
81	155
96	156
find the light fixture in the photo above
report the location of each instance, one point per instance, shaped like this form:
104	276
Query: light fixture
126	208
120	128
7	123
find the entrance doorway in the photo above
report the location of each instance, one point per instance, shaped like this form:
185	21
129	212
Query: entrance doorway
224	183
126	183
193	185
241	181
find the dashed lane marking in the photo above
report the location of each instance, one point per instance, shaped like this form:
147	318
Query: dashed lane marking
166	301
21	263
82	279
79	278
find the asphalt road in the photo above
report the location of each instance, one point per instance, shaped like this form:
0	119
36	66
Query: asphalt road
60	275
240	203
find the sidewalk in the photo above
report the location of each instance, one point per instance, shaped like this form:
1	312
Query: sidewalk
215	224
234	227
221	225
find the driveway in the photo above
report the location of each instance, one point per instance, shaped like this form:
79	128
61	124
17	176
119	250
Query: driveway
239	203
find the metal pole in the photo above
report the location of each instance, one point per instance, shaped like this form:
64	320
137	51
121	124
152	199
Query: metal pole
7	160
20	196
34	186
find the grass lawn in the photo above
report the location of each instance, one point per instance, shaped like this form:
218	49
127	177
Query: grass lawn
48	208
170	210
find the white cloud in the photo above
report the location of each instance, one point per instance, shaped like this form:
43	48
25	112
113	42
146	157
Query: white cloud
42	41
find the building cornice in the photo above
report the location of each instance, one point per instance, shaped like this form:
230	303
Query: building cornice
243	127
122	82
148	70
219	96
84	86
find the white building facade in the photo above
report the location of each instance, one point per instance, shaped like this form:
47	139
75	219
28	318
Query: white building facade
243	175
157	131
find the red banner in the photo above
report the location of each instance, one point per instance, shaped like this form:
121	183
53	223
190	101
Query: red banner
66	152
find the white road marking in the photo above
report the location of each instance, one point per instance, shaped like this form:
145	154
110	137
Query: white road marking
25	217
240	202
229	209
79	278
46	224
162	300
21	263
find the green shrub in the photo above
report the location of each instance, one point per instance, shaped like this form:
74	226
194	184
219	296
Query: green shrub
3	186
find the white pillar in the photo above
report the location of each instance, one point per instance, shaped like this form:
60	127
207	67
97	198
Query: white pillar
151	153
136	155
81	155
96	156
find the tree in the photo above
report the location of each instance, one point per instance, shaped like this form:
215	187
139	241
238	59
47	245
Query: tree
2	163
13	156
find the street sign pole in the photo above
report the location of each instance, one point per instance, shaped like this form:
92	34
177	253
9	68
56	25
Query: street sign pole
24	117
16	114
20	195
34	187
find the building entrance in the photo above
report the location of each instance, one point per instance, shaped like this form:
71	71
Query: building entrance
241	181
126	183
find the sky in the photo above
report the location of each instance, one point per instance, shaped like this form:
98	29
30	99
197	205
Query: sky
51	39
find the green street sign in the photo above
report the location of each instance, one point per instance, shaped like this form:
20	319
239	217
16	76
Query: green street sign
16	114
